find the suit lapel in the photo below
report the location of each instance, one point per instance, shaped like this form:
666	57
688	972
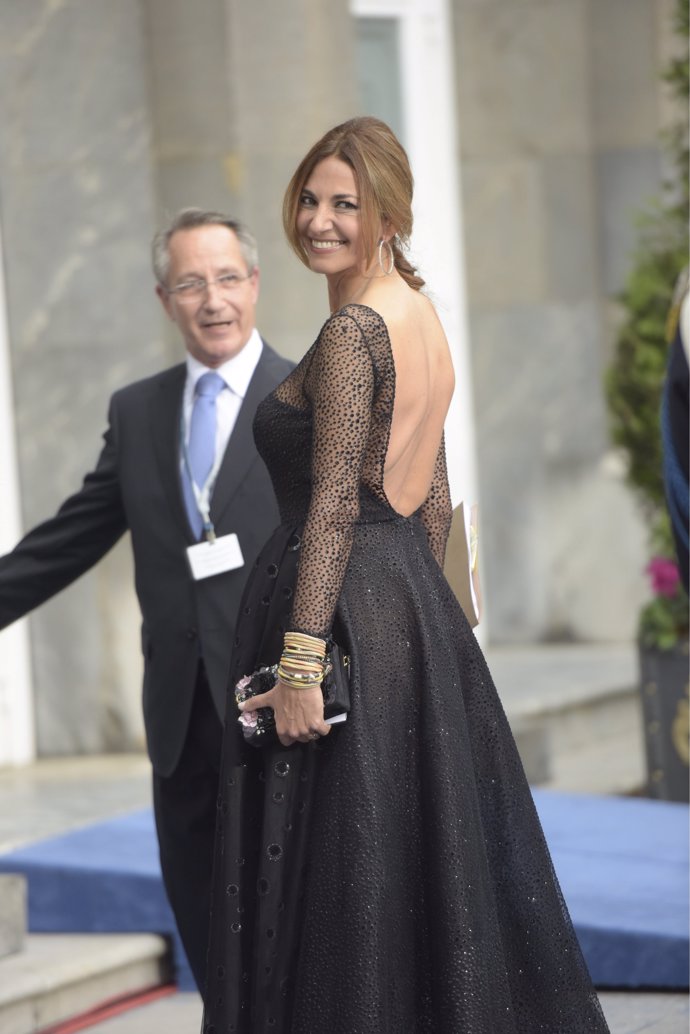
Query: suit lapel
241	451
165	418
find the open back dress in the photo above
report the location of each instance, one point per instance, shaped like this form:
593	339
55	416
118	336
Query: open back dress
392	877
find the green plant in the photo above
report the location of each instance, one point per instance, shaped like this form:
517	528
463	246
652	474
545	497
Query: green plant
634	381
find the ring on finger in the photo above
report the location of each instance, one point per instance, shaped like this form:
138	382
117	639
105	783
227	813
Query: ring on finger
314	735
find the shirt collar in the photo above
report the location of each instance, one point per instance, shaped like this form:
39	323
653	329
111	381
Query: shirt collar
236	372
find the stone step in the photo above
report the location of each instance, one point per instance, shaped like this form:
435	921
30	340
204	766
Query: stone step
597	746
60	976
13	913
576	715
174	1014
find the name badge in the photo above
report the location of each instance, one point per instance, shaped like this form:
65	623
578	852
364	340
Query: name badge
209	558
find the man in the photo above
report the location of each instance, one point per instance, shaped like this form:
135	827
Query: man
171	439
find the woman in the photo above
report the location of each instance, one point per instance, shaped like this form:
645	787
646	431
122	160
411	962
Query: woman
389	875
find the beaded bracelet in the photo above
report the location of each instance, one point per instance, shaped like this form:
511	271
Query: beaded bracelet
298	681
300	641
302	663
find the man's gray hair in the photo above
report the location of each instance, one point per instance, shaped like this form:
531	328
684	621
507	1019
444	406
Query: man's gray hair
187	219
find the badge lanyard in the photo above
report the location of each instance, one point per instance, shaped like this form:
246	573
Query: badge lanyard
202	496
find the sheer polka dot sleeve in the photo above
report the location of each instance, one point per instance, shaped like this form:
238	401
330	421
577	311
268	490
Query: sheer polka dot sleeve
340	387
437	510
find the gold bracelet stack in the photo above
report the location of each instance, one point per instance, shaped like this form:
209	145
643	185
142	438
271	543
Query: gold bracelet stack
303	663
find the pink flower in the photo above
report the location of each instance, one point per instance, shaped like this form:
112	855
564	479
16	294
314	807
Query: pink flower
244	681
248	719
664	575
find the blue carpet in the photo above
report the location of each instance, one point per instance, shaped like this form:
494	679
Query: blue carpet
622	864
104	878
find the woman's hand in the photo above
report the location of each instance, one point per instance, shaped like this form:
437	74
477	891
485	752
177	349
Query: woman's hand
298	712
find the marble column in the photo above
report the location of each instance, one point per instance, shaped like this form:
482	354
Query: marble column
17	740
239	91
77	216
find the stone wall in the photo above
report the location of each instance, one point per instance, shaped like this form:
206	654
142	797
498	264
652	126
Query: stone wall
559	113
239	91
114	115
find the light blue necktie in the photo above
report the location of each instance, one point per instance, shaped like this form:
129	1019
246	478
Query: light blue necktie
201	449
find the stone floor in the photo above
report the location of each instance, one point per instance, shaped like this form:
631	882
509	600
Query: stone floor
59	794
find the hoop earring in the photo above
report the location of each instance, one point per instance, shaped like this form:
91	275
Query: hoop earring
386	272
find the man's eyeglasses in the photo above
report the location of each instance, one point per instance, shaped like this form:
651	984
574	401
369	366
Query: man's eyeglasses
193	290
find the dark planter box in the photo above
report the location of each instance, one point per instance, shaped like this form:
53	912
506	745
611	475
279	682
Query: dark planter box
665	712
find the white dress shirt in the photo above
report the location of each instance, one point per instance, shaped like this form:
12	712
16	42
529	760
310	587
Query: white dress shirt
237	373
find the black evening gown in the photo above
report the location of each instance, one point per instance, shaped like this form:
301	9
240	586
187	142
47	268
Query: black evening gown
391	878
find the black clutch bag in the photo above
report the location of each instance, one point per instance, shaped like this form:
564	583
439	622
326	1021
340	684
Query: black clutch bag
259	727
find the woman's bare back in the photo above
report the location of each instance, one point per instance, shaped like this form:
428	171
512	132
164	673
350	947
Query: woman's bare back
424	382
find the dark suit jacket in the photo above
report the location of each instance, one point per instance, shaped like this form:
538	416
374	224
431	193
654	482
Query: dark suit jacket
136	485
